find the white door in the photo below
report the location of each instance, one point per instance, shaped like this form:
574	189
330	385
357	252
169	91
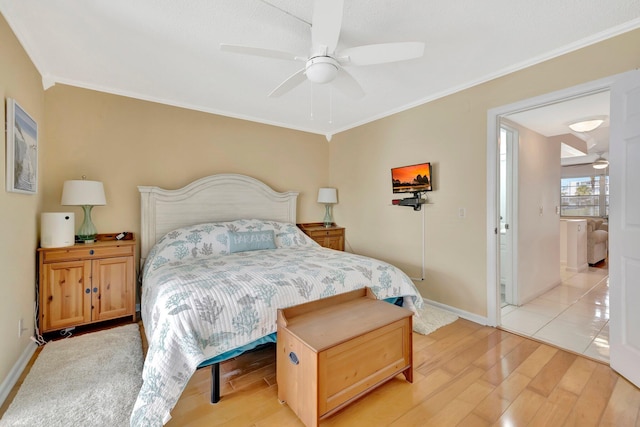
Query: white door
624	227
508	157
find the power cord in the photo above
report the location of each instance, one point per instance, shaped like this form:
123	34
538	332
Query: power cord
66	333
37	338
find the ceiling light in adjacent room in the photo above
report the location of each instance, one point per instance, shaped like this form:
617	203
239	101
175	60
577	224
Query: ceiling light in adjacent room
586	125
600	163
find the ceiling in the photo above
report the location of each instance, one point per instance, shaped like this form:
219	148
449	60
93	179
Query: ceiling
168	51
553	122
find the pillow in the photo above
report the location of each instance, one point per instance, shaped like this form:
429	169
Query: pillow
290	236
242	241
212	239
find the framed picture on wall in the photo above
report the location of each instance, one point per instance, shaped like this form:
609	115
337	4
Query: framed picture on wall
22	150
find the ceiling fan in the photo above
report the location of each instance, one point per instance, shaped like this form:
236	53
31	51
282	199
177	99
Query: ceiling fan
324	64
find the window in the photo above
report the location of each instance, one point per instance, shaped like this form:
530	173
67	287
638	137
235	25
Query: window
585	196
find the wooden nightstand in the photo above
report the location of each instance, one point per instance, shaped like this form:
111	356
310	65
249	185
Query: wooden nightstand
86	283
329	237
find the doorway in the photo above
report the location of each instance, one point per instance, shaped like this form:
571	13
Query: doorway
624	238
552	301
507	261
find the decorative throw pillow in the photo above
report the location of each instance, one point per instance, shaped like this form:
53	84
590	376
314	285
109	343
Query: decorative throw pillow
242	241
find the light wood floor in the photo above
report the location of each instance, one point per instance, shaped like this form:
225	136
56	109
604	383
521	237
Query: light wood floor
465	375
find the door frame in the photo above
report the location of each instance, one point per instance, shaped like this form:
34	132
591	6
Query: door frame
493	175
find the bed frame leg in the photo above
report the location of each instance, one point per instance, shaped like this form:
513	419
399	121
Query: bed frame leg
215	383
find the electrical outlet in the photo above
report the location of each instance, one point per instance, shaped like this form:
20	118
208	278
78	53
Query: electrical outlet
462	213
21	328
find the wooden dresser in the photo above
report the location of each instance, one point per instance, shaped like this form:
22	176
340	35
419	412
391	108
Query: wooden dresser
334	350
86	283
328	237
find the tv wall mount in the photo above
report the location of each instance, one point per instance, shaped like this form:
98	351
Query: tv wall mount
416	201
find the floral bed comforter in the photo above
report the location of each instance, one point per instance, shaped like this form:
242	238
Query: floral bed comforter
200	300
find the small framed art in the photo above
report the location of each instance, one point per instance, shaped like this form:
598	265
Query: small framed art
22	150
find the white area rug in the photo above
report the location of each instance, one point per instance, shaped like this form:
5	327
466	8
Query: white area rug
431	318
89	380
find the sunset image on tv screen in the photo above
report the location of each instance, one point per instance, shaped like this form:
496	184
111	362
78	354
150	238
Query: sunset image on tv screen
413	178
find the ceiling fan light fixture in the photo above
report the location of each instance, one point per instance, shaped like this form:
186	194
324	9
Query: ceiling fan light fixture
321	69
600	163
586	125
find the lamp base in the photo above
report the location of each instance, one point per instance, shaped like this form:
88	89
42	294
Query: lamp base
328	222
87	232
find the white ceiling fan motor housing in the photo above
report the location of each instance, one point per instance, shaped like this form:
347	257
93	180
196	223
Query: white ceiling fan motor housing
321	69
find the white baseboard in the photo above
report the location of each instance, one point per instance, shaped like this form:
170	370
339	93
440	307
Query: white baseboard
540	292
16	371
482	320
577	269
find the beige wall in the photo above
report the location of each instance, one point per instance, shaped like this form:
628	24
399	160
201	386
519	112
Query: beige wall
452	133
18	212
444	133
538	238
125	142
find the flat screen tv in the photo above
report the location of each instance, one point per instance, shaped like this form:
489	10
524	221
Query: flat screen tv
411	179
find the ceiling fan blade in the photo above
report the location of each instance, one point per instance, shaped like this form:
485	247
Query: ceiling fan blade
325	26
380	53
257	51
290	83
346	84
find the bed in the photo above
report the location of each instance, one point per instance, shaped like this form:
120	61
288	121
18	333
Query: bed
219	257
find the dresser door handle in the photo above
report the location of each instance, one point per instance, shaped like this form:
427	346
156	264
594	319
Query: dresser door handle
293	358
91	252
86	291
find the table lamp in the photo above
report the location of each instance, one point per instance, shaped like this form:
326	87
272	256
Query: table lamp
87	194
328	196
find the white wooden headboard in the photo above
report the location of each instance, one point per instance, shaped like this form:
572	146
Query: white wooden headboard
222	197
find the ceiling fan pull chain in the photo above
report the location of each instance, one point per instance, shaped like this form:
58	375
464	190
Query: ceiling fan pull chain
330	105
312	92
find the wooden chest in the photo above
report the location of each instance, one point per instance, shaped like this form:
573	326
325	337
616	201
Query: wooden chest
334	350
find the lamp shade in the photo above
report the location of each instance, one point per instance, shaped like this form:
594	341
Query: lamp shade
327	195
83	193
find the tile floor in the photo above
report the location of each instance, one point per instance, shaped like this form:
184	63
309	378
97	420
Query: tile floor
573	315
